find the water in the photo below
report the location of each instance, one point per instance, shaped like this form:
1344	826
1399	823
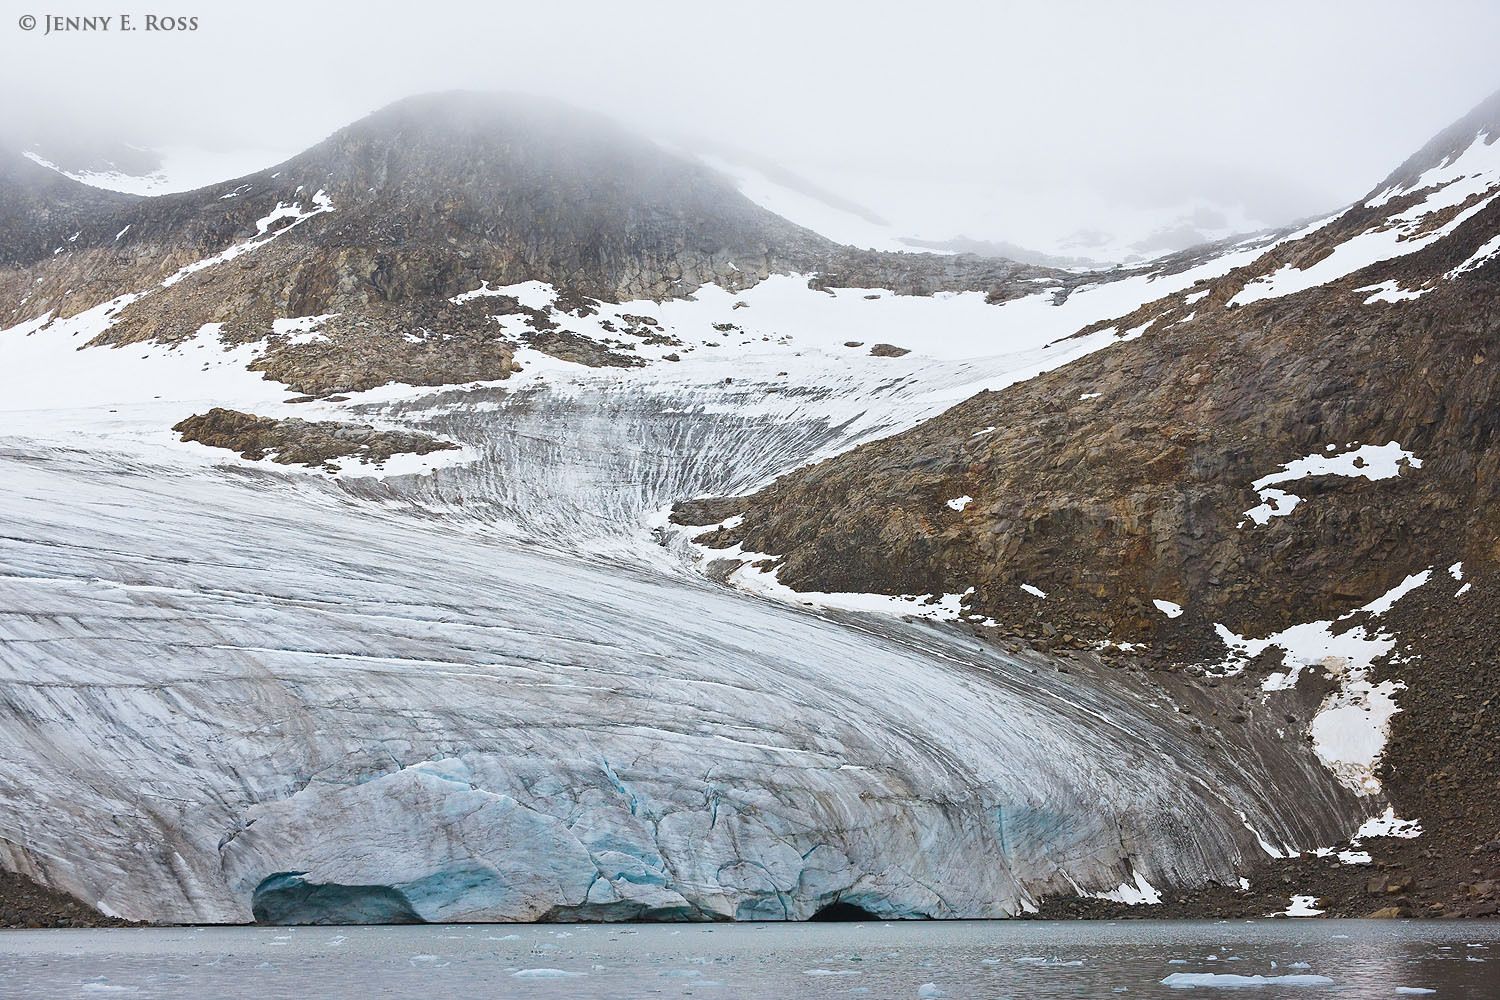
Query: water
882	960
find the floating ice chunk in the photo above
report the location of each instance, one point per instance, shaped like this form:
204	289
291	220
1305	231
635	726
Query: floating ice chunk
930	991
830	972
1053	962
1413	990
959	503
1034	591
1168	608
1223	981
545	974
1303	906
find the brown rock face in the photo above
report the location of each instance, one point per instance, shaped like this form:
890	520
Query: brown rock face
24	903
294	441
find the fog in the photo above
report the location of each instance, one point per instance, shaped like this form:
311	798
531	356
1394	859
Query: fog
998	121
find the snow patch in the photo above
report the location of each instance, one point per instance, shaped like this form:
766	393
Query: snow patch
1391	291
1350	728
301	329
1133	893
1303	906
183	168
1388	825
1372	462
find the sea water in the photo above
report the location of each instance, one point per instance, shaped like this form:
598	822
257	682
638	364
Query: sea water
1031	959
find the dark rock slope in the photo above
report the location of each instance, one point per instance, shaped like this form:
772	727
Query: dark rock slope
24	903
1126	477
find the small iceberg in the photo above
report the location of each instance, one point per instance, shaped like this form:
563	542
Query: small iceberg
1221	981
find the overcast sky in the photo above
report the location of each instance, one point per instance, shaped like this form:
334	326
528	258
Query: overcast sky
945	117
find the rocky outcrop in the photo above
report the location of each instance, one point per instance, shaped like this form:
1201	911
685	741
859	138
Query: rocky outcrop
24	903
294	441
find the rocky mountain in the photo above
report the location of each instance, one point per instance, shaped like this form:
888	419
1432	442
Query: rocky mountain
382	225
345	584
39	207
1299	438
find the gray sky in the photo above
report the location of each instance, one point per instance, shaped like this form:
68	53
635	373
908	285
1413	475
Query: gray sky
987	118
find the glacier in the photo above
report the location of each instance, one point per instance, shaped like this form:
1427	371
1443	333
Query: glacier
503	690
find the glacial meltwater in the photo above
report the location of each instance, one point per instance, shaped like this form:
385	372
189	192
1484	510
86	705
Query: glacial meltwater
1033	959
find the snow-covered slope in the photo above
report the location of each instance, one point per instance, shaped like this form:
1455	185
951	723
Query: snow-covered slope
842	223
173	169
